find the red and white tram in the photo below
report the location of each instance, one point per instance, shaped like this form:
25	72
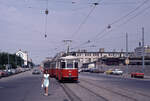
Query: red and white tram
50	66
63	68
67	68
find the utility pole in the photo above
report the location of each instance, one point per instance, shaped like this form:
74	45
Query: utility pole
8	60
16	59
67	43
127	57
143	50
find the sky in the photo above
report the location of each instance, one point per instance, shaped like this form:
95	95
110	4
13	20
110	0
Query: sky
23	23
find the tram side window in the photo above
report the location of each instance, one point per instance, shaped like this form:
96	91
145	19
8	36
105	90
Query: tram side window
63	64
76	65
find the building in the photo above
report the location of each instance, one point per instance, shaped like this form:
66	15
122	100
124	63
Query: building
138	51
24	56
89	57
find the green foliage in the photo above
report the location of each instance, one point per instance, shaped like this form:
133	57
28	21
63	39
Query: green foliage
13	60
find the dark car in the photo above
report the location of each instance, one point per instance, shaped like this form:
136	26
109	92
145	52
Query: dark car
36	71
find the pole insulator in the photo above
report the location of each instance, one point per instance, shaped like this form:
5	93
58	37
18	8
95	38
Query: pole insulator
109	26
46	11
96	3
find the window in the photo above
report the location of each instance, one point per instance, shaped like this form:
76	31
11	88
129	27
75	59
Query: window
76	65
63	64
69	64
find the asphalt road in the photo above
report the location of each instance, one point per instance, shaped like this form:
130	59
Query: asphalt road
27	87
91	87
120	81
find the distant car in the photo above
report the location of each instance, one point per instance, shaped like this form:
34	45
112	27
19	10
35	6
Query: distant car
85	70
137	75
79	70
94	70
117	72
109	71
36	71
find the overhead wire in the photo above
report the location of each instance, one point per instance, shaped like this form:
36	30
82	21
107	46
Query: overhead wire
84	21
123	17
116	21
142	11
46	20
126	21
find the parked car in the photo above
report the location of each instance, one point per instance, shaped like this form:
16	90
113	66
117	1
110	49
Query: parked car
86	70
94	70
9	71
117	72
0	73
36	71
13	71
137	75
4	73
109	71
18	70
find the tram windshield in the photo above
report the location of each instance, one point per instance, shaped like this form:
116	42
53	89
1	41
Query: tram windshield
69	64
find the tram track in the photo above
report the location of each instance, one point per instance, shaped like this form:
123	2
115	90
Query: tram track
133	91
101	97
124	94
71	95
100	93
136	92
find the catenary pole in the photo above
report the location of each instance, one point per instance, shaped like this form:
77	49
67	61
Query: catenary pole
143	50
127	57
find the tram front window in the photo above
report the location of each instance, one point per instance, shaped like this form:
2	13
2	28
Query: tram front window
69	64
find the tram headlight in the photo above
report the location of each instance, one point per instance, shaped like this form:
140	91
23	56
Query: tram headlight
70	74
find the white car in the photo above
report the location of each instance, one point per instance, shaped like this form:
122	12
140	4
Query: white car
79	70
117	72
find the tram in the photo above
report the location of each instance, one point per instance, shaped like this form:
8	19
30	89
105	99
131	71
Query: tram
63	68
52	69
67	68
50	66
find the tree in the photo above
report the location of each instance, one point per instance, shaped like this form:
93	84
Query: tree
14	60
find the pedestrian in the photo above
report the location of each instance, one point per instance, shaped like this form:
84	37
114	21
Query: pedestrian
45	82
